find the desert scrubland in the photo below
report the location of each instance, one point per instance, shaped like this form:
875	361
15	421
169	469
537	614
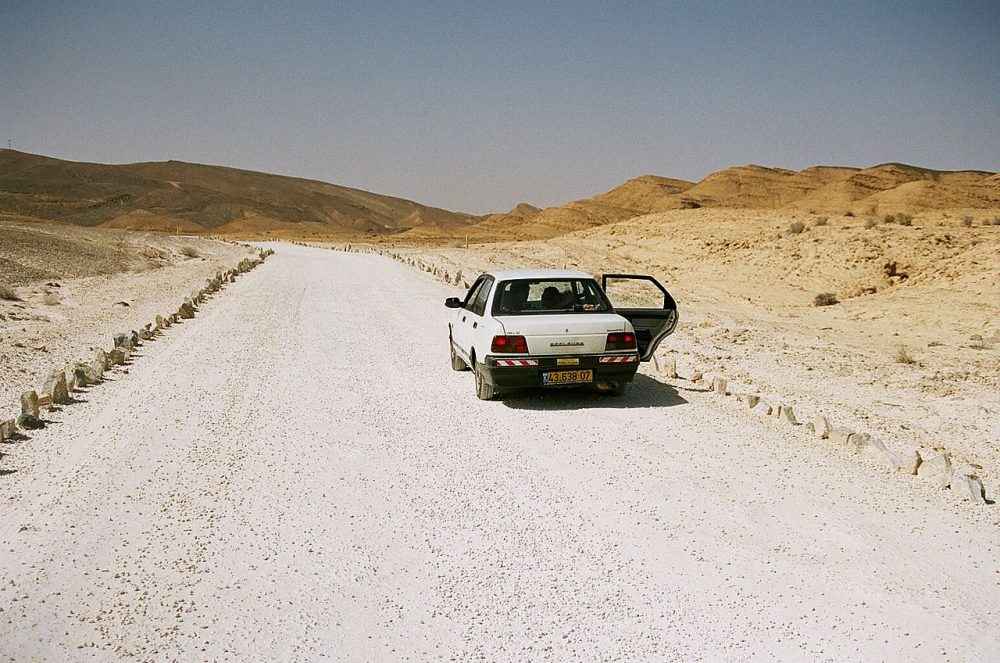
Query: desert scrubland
67	289
297	471
909	352
316	488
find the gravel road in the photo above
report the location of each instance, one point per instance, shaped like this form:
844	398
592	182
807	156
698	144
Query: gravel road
297	474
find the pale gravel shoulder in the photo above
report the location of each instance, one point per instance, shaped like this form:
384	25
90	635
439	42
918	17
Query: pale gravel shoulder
836	362
52	326
319	489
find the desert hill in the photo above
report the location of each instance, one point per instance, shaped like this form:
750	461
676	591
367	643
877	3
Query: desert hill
193	198
174	195
641	195
887	188
648	193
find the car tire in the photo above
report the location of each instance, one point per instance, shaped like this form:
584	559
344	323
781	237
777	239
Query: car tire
457	363
484	390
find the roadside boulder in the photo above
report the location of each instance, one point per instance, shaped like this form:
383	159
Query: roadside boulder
29	403
124	341
840	435
910	459
858	440
55	385
881	454
74	377
787	414
101	357
670	369
762	408
935	468
30	422
8	429
117	356
85	375
719	386
821	426
70	374
967	485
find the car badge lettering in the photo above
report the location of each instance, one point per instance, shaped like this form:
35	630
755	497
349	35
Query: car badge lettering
566	344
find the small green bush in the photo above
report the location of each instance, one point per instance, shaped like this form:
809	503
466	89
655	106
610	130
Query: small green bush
871	223
190	252
889	218
966	221
825	299
904	219
849	213
821	221
796	227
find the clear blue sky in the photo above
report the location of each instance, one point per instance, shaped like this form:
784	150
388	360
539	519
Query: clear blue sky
477	106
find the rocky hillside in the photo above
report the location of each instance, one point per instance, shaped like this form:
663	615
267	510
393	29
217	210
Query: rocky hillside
176	196
885	189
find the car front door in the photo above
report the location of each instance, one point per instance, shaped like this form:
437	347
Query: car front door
645	303
466	321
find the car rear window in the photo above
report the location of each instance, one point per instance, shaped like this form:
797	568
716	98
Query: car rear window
532	296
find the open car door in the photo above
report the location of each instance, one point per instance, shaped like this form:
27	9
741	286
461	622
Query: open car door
645	303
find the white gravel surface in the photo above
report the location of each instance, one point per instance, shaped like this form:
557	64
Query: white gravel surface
297	474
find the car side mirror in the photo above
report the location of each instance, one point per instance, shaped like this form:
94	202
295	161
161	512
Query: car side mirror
453	302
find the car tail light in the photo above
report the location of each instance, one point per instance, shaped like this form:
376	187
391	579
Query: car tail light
620	341
509	344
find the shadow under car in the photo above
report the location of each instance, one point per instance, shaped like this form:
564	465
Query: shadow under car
643	392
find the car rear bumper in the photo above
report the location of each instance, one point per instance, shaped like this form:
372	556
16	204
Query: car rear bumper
514	371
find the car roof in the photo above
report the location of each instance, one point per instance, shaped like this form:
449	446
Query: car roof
510	274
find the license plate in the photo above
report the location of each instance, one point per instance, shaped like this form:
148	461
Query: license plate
568	377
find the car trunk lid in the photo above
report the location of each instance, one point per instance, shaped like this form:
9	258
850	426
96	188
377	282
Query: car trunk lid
564	333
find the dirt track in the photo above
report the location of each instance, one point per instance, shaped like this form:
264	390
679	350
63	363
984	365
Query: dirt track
298	474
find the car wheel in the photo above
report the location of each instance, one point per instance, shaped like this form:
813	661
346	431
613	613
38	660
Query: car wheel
484	390
457	364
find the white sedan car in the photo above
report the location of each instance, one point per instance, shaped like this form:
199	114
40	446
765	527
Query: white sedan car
554	328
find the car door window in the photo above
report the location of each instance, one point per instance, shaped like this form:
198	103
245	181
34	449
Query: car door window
470	298
633	292
645	303
478	305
